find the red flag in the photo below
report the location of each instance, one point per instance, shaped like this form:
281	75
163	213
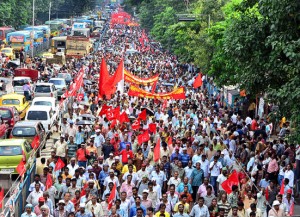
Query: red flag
152	127
124	118
143	115
156	151
80	97
170	141
292	208
35	142
232	179
112	196
21	168
136	125
104	109
154	87
113	124
112	114
144	137
110	84
1	196
267	193
59	164
103	78
164	106
282	188
49	181
198	81
83	192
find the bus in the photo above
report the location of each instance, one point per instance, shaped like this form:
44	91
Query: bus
58	44
55	27
4	31
45	29
89	22
18	40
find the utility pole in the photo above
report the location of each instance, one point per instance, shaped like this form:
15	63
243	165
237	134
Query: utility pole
49	13
32	33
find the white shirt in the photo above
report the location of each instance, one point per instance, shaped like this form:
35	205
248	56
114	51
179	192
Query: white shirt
221	178
188	171
216	168
107	180
290	175
204	165
248	121
159	177
99	140
33	197
72	169
174	181
198	211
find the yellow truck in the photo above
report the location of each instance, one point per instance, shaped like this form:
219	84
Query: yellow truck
78	46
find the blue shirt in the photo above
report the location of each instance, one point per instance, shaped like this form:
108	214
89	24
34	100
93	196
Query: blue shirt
123	145
102	176
180	188
79	138
132	211
197	176
85	214
179	156
185	159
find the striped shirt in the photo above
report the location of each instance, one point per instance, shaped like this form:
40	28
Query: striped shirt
226	206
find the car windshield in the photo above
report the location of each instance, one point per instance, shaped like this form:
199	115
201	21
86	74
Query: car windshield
19	82
65	76
42	89
57	82
10	102
37	115
43	103
5	113
24	132
11	150
5	51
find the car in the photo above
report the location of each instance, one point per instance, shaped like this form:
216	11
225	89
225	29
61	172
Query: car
9	52
10	116
29	130
12	151
41	114
44	90
66	76
18	83
15	100
60	84
50	102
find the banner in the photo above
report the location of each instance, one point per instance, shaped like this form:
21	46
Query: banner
139	81
178	93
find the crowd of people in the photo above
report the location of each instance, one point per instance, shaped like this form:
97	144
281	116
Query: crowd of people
202	141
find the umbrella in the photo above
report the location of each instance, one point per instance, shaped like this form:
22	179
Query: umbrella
132	117
14	64
84	123
88	116
84	103
87	82
148	111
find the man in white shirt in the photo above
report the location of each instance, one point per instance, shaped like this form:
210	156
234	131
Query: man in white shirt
221	178
200	210
204	165
72	166
215	168
34	196
99	141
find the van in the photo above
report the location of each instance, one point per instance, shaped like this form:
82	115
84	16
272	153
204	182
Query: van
19	82
43	114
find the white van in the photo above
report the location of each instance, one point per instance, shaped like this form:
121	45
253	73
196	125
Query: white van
19	82
49	102
43	114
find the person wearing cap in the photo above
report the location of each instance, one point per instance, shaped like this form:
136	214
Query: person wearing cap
111	178
61	148
110	160
82	212
72	166
145	201
99	140
119	165
60	210
289	201
71	130
37	209
276	211
81	155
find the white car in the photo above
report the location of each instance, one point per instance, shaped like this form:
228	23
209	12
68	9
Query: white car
19	82
45	90
43	114
60	85
49	102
